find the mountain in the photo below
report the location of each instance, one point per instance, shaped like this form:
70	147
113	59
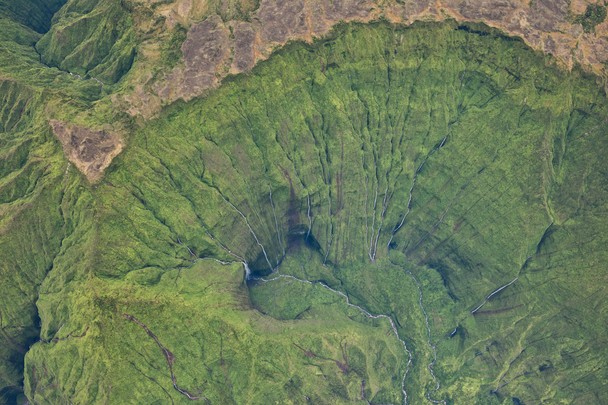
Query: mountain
303	202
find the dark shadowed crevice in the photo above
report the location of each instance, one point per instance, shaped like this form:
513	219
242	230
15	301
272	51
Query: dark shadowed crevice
36	14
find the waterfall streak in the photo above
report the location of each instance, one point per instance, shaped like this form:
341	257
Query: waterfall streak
496	291
382	214
230	252
270	266
414	180
179	241
371	240
247	270
430	342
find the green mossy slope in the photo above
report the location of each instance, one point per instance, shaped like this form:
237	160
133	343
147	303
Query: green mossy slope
38	189
35	14
35	200
93	38
442	175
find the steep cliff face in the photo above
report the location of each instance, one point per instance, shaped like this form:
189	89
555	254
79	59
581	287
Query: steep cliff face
412	190
394	193
181	49
573	32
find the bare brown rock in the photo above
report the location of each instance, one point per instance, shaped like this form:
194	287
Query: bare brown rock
548	15
215	47
206	51
89	150
496	10
244	47
281	20
231	36
337	10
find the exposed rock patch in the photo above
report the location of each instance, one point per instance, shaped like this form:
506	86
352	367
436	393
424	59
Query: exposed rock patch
281	19
216	47
244	47
206	52
232	36
91	151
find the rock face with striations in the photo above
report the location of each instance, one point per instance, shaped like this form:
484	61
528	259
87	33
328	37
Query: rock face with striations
215	48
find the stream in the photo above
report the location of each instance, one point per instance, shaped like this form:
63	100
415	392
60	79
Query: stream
411	191
357	307
377	316
429	342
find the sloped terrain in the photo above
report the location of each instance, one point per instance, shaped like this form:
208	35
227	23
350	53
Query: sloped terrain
91	39
38	188
35	14
388	215
449	183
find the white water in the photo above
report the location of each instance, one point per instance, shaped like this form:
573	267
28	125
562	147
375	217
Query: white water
496	291
414	180
247	270
360	309
270	266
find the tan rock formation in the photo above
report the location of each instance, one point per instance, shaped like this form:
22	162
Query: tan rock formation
89	150
216	47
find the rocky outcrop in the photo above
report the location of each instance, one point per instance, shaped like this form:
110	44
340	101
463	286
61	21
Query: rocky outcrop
216	47
232	36
91	151
206	52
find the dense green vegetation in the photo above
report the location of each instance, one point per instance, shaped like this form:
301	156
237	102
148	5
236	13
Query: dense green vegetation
421	172
35	14
92	38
